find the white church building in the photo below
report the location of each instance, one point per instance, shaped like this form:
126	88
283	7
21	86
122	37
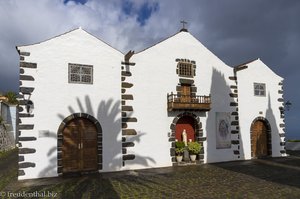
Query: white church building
87	107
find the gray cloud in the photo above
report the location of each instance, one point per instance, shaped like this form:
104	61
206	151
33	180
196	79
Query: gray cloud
236	31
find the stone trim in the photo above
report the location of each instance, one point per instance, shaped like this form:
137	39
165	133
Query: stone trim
129	132
24	165
234	104
25	53
128	157
126	73
232	78
128	63
22	139
26	126
269	134
28	65
26	150
26	77
186	81
128	119
126	85
127	97
127	108
60	138
26	90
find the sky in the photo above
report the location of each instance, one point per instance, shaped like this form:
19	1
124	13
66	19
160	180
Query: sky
236	31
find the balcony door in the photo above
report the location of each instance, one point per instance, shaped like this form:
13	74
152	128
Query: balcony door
185	93
79	149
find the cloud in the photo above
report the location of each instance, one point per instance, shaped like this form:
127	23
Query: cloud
236	31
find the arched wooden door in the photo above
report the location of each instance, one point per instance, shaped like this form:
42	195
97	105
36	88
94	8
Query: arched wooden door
188	124
79	148
259	139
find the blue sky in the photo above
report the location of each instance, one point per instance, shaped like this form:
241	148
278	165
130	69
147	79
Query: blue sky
236	31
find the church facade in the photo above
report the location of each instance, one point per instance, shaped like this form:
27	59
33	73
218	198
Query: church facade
86	107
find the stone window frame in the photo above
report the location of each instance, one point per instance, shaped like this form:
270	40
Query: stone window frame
259	89
80	74
186	68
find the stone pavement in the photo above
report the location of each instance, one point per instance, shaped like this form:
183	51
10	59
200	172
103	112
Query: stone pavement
261	178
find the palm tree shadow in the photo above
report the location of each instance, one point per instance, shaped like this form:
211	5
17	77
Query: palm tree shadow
109	117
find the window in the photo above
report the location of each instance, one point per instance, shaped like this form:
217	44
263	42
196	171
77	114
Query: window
259	89
185	69
81	74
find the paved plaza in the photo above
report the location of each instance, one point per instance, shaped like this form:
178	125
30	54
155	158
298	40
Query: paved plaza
261	178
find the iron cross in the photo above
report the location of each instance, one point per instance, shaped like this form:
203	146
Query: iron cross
183	23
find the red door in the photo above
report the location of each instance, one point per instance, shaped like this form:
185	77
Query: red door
188	124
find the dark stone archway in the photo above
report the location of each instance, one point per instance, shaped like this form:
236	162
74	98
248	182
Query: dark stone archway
268	131
60	138
198	135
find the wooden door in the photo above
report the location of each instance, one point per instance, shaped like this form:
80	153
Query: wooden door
259	139
186	93
79	150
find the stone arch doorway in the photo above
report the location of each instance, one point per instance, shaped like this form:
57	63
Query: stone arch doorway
187	124
79	144
261	143
193	121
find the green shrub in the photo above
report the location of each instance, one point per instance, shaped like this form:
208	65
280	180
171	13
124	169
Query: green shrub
194	147
179	147
1	120
11	97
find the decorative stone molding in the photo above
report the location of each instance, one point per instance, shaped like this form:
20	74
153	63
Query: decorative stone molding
28	65
126	117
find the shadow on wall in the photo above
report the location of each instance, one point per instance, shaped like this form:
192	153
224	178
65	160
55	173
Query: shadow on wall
275	138
109	117
221	98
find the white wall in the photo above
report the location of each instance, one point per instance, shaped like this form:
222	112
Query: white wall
154	76
55	99
251	107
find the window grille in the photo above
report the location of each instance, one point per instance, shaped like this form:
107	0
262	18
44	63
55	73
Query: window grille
185	69
259	89
81	74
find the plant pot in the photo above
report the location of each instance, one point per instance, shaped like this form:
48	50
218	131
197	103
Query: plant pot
179	158
193	157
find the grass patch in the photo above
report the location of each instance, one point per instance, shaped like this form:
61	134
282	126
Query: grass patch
5	154
293	140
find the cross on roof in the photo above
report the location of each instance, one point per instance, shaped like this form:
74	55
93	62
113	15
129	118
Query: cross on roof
183	23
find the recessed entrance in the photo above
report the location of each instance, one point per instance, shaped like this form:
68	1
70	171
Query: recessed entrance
260	139
79	146
187	124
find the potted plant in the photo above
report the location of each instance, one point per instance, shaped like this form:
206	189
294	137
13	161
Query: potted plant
179	150
194	149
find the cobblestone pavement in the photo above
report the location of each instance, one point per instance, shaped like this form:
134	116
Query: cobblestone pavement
261	178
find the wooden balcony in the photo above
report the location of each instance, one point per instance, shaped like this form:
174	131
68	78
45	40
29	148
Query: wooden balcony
187	102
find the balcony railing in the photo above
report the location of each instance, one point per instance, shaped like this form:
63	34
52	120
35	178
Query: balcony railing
188	102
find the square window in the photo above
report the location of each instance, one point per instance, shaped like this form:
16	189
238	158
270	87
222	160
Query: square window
259	89
81	74
185	69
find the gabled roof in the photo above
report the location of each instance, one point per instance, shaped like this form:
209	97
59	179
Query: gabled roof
66	33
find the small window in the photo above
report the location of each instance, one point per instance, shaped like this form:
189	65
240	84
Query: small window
185	69
81	74
259	89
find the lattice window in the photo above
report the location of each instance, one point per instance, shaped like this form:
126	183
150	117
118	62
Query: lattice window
82	74
185	69
259	89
